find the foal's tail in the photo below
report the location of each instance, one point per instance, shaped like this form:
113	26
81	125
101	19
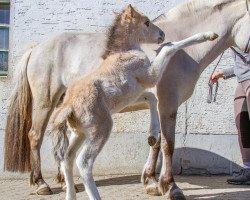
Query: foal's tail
58	131
17	146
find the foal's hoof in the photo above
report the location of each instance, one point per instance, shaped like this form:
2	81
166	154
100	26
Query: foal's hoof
44	190
64	188
212	36
151	140
152	189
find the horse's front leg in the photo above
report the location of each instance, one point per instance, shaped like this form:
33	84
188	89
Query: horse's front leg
148	177
168	122
154	130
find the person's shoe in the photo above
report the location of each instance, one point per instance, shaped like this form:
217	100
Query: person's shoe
243	178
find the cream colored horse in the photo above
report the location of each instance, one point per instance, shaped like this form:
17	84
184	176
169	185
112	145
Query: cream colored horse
119	81
43	79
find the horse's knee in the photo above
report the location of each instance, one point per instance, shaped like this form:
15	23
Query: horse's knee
83	167
79	162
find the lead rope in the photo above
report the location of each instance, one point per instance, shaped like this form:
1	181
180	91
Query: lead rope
247	7
212	94
212	97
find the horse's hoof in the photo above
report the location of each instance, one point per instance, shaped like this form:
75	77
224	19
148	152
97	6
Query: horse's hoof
64	188
44	190
177	196
151	141
152	189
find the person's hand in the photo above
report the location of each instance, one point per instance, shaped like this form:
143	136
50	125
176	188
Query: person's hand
215	77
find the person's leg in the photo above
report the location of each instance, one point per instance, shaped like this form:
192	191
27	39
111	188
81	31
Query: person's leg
242	124
245	125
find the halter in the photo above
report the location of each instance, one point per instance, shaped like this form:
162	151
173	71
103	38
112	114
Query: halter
213	92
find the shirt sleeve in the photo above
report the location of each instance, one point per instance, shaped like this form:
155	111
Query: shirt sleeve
228	73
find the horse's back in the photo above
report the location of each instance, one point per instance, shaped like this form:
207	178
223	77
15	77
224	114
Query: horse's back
65	57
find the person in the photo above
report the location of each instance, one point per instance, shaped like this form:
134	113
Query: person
241	70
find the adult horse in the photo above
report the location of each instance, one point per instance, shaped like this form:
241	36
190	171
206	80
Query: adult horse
47	79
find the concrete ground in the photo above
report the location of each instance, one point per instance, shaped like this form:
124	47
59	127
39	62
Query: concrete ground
128	188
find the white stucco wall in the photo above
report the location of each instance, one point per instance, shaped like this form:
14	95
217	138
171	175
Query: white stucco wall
206	138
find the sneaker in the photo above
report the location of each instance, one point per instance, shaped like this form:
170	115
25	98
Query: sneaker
243	178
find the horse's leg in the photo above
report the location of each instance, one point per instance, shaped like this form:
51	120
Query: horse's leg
168	122
67	164
39	123
148	175
93	144
154	130
42	109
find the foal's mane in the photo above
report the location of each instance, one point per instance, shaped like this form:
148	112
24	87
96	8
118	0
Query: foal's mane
115	36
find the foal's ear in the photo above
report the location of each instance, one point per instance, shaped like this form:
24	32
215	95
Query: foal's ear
115	13
130	12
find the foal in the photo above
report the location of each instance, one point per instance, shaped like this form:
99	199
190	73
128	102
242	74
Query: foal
121	78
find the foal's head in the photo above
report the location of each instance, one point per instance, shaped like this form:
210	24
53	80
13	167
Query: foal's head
130	28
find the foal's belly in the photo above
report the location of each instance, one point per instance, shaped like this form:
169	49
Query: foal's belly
122	93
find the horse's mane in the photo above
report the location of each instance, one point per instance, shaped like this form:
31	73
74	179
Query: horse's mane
114	36
194	7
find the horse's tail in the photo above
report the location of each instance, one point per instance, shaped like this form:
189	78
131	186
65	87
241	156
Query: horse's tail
19	120
58	131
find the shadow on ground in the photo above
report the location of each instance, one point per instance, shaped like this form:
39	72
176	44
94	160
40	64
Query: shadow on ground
208	186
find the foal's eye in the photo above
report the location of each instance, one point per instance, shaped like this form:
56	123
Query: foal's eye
147	23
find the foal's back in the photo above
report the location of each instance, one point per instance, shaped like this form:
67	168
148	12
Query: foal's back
118	81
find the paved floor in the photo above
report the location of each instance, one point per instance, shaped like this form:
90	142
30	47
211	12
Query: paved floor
128	188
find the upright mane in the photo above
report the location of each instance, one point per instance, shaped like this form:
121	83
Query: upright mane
115	36
195	7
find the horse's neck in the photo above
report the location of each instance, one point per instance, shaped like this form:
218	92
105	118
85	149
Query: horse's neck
220	22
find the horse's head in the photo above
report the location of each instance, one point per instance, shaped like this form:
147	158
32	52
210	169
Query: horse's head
241	29
140	27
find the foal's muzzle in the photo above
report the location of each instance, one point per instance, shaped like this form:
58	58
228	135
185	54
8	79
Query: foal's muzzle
161	38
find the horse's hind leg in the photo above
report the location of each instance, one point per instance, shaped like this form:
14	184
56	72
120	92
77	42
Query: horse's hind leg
97	137
40	120
42	109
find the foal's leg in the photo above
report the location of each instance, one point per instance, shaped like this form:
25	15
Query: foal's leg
76	139
93	144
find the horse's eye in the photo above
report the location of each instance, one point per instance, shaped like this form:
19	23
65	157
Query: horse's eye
147	23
